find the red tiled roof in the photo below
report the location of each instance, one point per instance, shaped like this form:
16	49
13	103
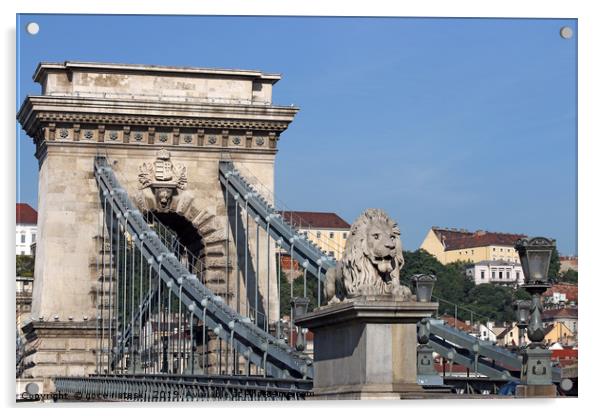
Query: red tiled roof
461	325
483	240
306	219
450	233
570	291
455	239
456	368
26	214
550	314
565	354
309	336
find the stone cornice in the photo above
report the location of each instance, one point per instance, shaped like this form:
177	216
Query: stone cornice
373	309
81	329
44	67
38	110
44	146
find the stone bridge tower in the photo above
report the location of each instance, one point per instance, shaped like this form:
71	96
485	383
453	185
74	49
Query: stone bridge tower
136	115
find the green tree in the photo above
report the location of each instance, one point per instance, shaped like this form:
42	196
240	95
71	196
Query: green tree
455	288
568	276
311	292
493	301
453	285
554	269
419	262
25	265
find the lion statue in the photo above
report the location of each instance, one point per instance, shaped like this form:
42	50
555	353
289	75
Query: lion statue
371	261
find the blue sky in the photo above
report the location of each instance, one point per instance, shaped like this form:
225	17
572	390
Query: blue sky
467	123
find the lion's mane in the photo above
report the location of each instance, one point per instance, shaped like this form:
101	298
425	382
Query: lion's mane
356	275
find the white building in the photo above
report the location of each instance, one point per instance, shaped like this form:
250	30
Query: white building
487	333
497	272
27	226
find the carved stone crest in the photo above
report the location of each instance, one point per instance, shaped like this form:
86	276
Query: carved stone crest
163	178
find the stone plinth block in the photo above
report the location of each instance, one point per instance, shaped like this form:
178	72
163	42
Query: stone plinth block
533	390
537	366
60	349
366	348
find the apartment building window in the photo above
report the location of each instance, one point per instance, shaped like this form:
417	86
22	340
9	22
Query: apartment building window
517	275
501	275
493	248
493	274
22	238
331	235
344	236
33	237
482	274
318	234
508	275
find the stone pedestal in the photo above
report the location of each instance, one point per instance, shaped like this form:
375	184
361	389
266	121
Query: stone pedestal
366	348
59	349
427	375
537	366
533	391
536	374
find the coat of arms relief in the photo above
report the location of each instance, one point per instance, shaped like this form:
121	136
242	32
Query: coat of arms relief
163	179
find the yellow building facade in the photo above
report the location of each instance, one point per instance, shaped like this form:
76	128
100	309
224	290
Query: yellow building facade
451	244
559	332
326	229
555	332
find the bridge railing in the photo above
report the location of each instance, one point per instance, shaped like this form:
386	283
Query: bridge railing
157	310
246	199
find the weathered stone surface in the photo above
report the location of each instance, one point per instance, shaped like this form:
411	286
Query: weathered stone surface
130	113
535	391
371	261
366	348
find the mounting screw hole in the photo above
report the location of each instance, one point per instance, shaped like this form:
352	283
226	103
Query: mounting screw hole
33	28
566	32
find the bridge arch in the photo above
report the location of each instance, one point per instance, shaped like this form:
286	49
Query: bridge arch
199	228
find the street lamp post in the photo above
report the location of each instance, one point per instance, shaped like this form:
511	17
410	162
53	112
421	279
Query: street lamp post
535	255
298	309
425	366
523	307
424	284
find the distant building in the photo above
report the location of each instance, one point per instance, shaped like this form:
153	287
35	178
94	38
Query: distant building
497	272
464	326
326	229
553	332
486	332
558	332
566	316
569	262
561	294
452	244
510	336
27	226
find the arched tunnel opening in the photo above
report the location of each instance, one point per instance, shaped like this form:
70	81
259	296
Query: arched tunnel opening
191	251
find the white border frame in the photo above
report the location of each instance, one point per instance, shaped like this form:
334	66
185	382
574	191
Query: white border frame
589	207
